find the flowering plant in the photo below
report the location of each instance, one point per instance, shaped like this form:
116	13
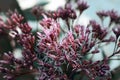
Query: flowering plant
55	53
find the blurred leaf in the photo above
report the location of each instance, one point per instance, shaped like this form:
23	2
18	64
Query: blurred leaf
116	73
5	45
42	3
27	13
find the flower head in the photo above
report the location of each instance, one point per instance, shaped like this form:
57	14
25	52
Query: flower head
102	14
38	11
114	16
82	6
98	32
66	13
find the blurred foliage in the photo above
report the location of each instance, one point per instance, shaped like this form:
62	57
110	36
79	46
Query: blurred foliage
27	13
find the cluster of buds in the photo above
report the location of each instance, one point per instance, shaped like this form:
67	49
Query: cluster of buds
11	67
111	13
82	5
97	30
54	57
66	13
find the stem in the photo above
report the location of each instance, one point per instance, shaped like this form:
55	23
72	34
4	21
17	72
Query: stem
72	25
115	46
92	57
114	54
63	30
110	24
37	21
37	25
114	59
76	22
67	22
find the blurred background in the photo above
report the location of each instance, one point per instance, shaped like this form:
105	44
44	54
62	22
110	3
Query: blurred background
24	7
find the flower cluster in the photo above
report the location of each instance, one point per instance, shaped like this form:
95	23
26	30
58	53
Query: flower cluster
48	56
111	13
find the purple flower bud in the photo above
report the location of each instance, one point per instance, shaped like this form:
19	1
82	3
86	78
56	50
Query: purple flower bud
68	6
102	14
72	14
27	41
114	16
38	11
66	13
98	31
82	5
25	28
116	31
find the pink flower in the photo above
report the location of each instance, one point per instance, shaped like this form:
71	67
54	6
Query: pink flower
50	26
